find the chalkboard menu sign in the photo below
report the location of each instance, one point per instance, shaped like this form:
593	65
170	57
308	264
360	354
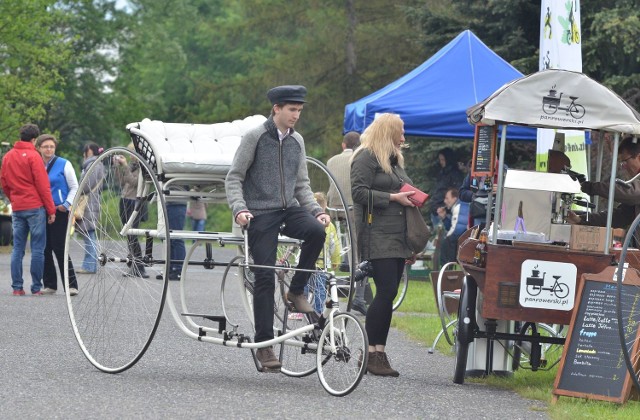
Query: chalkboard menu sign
592	364
484	150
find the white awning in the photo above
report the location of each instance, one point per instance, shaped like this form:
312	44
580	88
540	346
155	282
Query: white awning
557	99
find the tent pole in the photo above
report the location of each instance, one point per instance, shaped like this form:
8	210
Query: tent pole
498	213
612	185
599	165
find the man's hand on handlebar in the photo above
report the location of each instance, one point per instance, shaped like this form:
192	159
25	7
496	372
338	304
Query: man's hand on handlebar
324	218
243	218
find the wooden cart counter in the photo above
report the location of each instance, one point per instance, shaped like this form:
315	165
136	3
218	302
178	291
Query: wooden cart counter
500	280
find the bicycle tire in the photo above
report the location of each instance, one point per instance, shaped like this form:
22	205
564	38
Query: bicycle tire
403	287
627	311
321	179
342	354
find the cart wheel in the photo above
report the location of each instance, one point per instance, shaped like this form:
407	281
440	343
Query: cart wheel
464	333
627	302
298	354
402	288
323	181
525	354
115	316
342	354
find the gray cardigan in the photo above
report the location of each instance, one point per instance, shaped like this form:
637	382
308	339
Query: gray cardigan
92	212
268	174
386	237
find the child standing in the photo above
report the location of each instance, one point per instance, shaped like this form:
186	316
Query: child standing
329	259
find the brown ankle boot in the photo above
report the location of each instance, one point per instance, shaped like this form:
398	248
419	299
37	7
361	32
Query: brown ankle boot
374	365
384	361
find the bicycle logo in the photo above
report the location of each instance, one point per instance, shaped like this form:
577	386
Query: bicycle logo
551	105
535	285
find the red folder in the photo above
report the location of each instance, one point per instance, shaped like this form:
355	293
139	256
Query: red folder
418	198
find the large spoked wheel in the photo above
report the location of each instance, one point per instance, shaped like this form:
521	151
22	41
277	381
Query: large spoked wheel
321	180
117	311
627	301
402	288
342	354
464	332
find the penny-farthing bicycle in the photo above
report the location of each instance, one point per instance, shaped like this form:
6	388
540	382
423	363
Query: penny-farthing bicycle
117	312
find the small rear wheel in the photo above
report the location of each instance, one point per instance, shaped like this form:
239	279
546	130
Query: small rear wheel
342	354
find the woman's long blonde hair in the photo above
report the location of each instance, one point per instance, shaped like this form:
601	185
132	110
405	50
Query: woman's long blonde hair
380	139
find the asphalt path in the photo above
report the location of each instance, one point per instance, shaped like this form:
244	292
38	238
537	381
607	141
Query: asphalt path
45	375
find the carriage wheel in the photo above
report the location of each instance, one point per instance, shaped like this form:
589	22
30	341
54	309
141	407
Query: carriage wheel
627	302
464	332
321	180
115	316
342	354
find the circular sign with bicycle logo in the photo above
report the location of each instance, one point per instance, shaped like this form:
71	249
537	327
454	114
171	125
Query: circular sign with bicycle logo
548	285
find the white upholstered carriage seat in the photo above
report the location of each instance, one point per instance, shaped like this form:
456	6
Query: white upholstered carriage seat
194	148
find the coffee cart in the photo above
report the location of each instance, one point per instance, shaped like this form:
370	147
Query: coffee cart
532	278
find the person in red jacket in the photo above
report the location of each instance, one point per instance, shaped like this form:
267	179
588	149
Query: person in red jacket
26	184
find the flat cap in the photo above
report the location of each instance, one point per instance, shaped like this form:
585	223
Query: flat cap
287	93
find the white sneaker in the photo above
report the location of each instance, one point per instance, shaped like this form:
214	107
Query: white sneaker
73	291
48	291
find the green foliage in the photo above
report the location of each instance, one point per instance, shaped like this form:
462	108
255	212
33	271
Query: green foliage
32	53
218	218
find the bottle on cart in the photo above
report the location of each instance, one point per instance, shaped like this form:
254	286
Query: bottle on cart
480	253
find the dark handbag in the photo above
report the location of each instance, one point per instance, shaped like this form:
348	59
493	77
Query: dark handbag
478	207
417	230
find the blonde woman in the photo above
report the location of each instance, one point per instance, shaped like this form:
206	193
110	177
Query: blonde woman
377	173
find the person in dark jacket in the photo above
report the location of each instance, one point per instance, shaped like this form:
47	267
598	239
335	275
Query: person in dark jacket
25	183
127	174
450	176
87	226
268	184
64	186
377	173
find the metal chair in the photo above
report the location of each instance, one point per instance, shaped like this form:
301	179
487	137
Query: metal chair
447	288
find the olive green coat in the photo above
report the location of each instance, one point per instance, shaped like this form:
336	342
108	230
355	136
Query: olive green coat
386	237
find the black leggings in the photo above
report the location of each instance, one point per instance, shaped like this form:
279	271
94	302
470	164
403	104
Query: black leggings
387	273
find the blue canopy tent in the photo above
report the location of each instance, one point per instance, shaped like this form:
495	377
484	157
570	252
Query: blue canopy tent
433	98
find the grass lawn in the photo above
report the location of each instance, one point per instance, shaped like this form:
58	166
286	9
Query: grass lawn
417	317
